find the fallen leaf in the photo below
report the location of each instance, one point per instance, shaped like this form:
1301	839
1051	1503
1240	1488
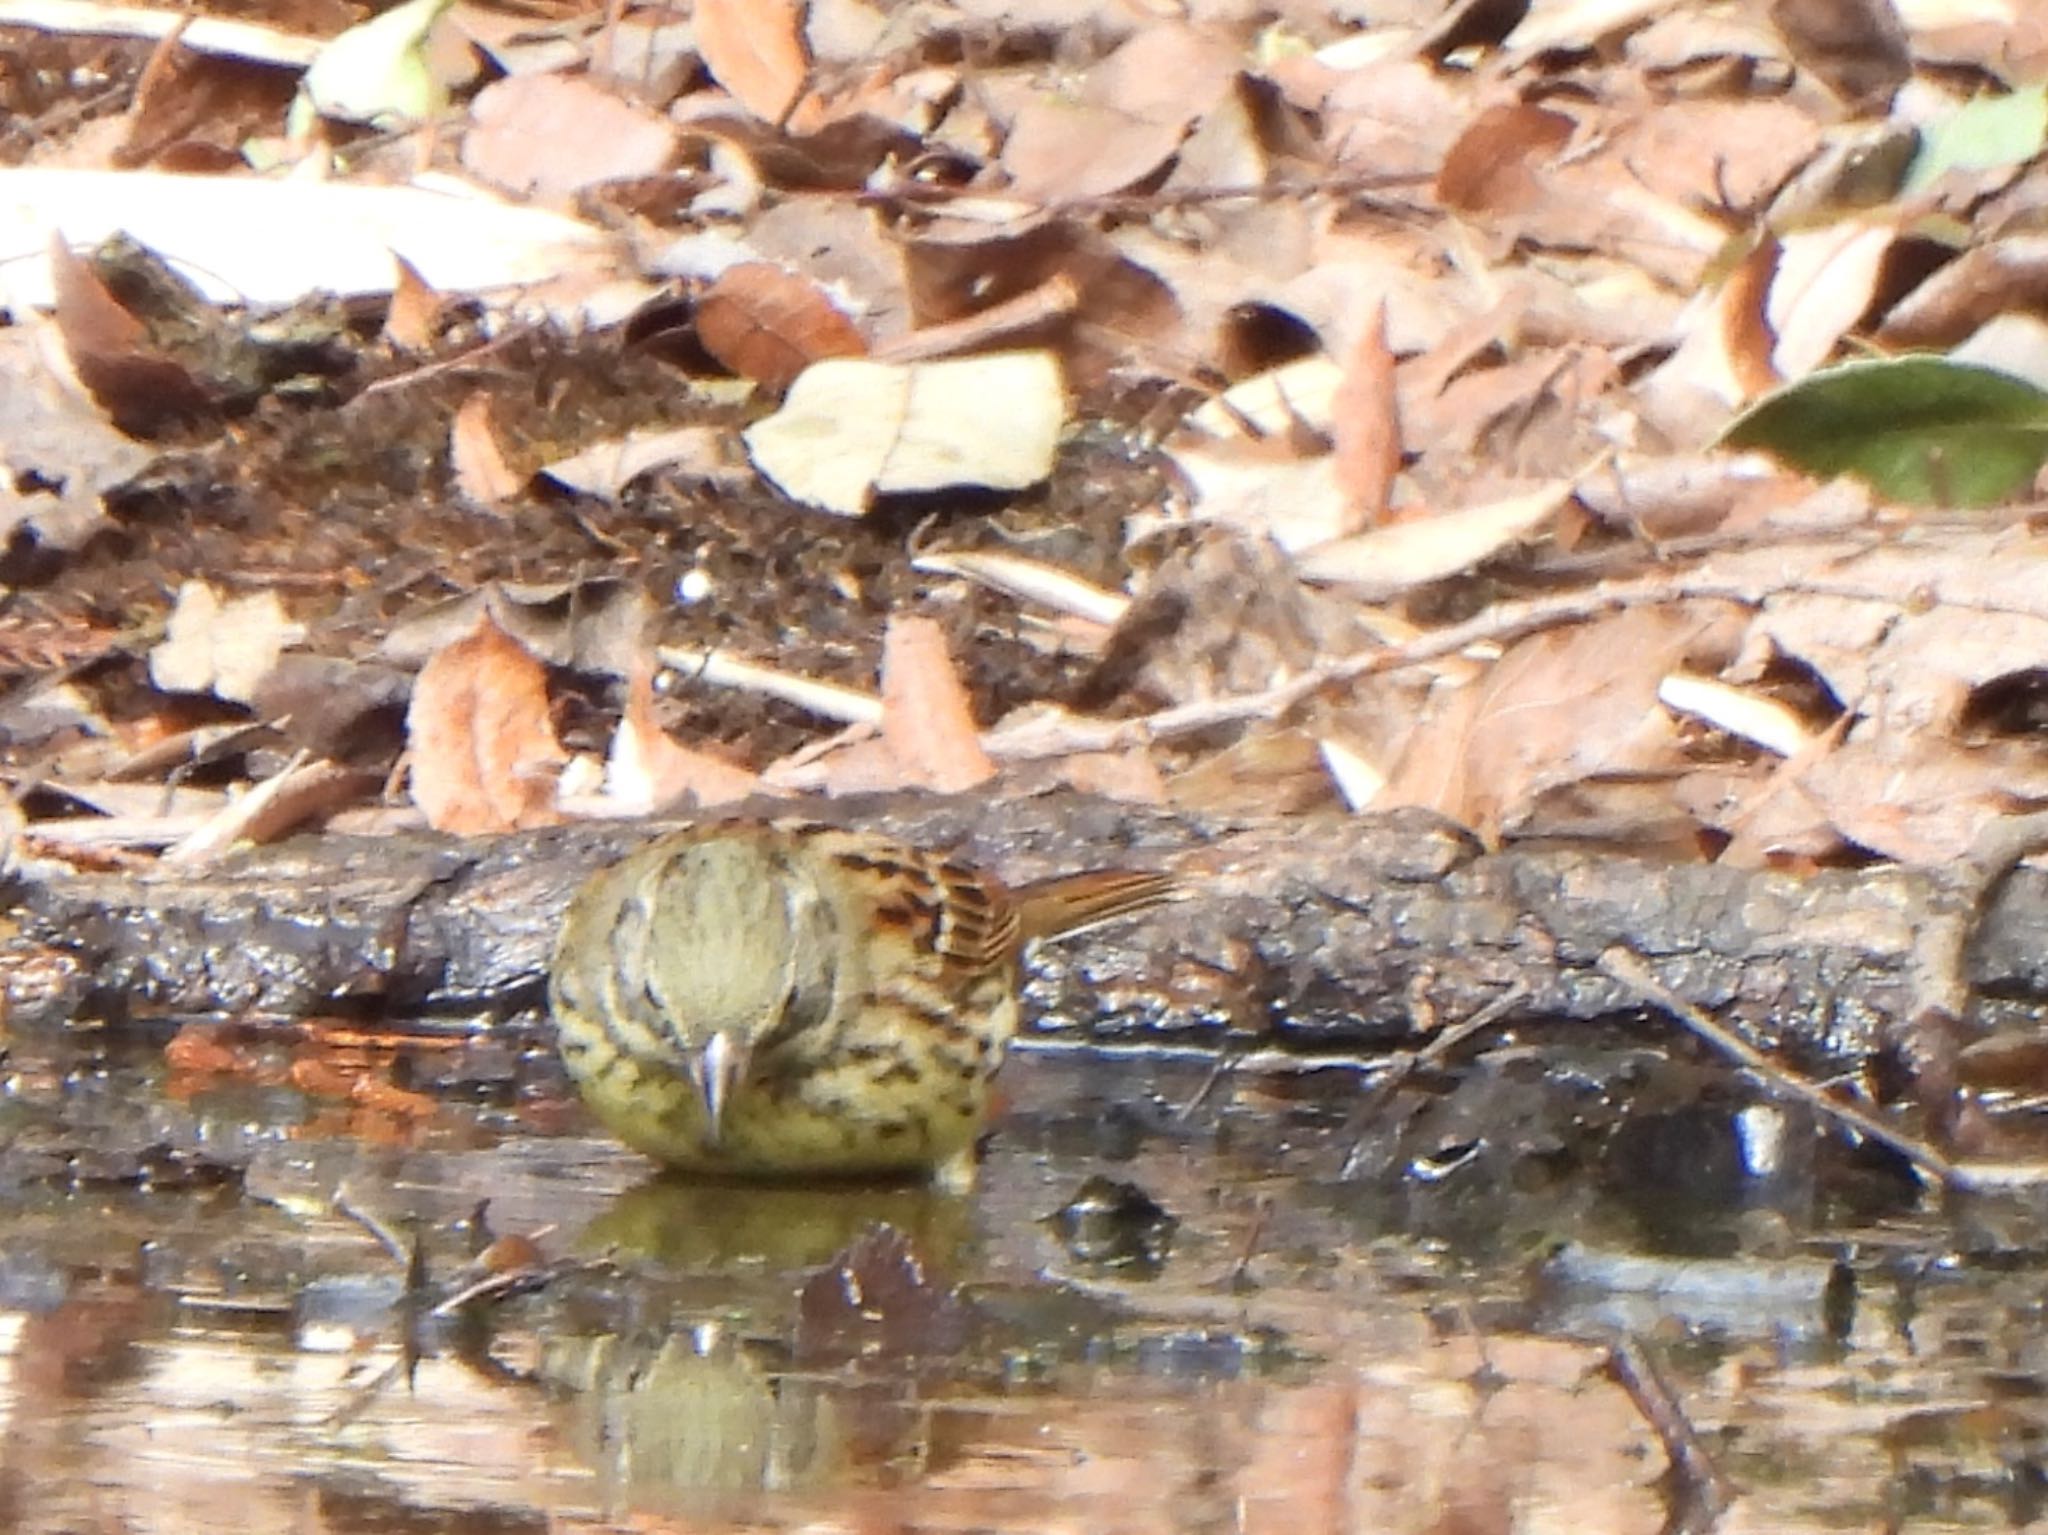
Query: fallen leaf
192	110
1922	430
549	136
376	72
927	721
768	324
1061	150
2015	344
851	430
1982	283
1857	47
1992	133
58	452
1493	166
1823	282
1395	559
1130	776
1130	116
1268	489
481	741
592	625
647	769
141	389
1357	778
1367	426
755	49
1300	393
482	477
302	792
1742	305
258	241
1578	23
1739	711
1031	581
605	469
223	648
413	322
1559	708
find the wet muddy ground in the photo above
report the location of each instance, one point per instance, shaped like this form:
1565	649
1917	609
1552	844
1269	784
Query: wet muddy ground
1288	1301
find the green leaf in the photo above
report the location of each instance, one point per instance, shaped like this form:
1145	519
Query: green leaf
1985	134
1920	430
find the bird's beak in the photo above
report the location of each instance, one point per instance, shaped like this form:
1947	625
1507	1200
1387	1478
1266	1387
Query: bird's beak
718	1069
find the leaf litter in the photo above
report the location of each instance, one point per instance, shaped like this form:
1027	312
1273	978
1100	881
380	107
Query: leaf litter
1446	411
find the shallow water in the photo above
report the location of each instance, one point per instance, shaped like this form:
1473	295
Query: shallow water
1339	1311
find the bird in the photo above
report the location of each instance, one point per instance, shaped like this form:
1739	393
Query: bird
778	999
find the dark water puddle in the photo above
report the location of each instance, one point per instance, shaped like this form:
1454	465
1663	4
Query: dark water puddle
1254	1302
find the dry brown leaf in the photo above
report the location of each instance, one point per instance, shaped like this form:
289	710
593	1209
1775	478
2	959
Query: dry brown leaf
768	324
1715	153
1367	426
302	792
192	110
1558	709
482	476
647	769
1916	797
139	388
1389	561
1746	336
1395	117
1131	776
927	721
1534	417
840	244
1020	321
254	240
481	742
605	469
1269	489
1227	148
413	322
1125	312
1857	47
1130	116
1979	285
857	766
1667	496
1578	23
548	136
1493	167
1274	403
1061	150
756	50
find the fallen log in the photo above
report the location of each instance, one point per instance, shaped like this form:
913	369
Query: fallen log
1338	934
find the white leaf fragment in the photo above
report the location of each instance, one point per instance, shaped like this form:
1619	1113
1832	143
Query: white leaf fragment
852	429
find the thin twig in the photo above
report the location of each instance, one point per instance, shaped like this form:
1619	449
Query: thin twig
1401	1066
345	1204
1970	1173
1627	967
1703	1492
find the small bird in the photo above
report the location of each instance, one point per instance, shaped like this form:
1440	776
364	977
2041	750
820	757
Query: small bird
783	998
